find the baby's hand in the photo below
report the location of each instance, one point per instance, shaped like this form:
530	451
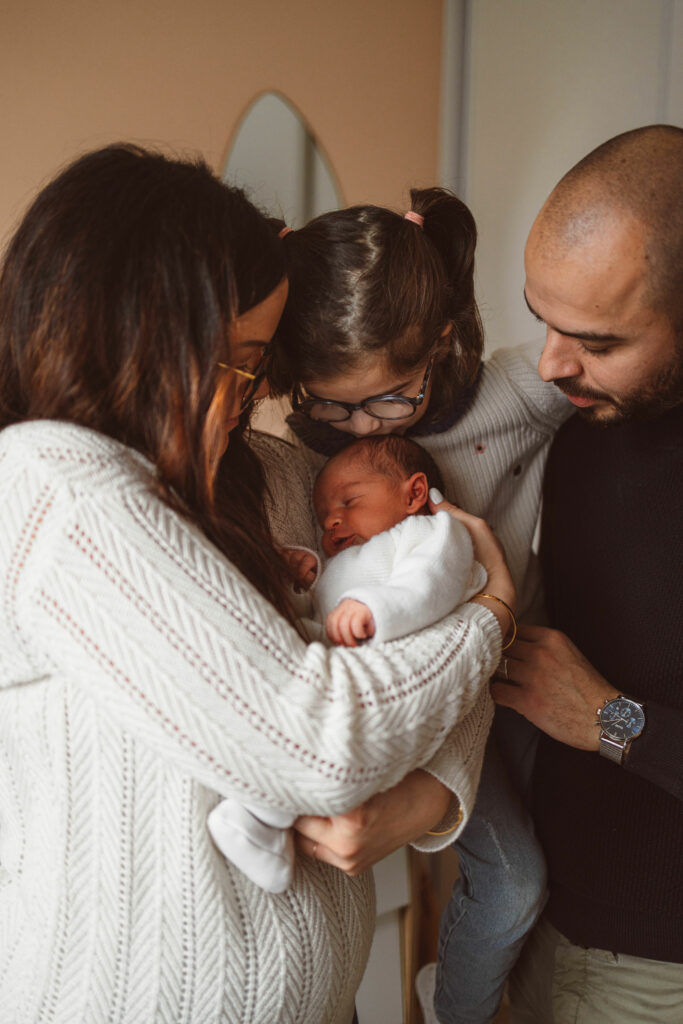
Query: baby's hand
350	623
302	565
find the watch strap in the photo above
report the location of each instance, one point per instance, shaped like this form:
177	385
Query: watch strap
613	750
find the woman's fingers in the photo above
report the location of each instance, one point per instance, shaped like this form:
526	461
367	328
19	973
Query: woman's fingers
344	852
316	850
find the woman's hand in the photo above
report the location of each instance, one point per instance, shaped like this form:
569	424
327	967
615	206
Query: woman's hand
360	838
489	551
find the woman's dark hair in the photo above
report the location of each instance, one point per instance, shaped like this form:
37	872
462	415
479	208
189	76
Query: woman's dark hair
116	297
365	281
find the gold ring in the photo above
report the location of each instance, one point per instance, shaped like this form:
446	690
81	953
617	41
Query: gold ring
314	855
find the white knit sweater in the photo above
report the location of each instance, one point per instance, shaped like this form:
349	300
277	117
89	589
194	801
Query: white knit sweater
492	460
141	677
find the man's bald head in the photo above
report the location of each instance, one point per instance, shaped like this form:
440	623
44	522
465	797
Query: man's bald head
636	177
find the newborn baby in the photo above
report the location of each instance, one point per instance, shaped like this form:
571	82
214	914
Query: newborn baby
392	568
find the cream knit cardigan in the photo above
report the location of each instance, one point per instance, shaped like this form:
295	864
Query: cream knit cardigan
141	678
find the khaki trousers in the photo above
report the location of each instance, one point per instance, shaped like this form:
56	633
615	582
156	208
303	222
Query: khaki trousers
555	982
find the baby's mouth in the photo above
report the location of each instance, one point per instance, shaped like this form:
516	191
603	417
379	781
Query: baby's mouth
341	543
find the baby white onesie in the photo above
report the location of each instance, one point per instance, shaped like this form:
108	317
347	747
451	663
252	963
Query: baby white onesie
409	577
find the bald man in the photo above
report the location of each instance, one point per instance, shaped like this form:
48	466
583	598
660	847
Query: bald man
604	273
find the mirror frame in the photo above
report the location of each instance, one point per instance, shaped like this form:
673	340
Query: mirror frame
223	164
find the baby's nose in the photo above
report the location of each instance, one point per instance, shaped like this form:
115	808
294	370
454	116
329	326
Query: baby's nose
332	519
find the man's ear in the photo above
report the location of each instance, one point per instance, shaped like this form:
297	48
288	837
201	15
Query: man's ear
417	491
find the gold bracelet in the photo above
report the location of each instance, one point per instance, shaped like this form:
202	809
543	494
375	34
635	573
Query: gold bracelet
449	830
508	609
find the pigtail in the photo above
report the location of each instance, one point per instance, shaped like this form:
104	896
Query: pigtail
450	227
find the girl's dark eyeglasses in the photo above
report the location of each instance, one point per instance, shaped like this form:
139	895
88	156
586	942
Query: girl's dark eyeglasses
380	407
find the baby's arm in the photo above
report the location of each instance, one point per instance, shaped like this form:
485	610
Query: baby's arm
350	623
409	577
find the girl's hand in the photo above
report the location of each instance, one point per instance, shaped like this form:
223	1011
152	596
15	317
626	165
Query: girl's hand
353	842
302	566
488	550
350	623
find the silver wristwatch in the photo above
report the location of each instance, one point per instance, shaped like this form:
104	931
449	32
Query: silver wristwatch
621	721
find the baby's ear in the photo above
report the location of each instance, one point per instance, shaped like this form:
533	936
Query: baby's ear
417	490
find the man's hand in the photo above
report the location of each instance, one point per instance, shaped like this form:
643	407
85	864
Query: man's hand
349	623
302	565
353	842
550	682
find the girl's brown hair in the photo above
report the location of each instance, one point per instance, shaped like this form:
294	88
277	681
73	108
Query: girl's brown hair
366	281
117	294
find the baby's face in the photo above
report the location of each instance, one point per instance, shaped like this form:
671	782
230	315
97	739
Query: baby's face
354	503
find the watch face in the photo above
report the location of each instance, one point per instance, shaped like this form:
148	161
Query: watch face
622	719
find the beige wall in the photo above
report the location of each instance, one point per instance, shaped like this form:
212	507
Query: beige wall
76	74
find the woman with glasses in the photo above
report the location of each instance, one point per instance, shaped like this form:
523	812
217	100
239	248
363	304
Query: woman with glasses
381	334
150	658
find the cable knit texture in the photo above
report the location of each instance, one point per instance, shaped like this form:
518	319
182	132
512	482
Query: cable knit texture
142	678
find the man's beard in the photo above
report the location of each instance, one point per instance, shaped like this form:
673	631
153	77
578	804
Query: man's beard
647	402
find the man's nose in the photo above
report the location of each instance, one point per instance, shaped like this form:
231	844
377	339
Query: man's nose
559	358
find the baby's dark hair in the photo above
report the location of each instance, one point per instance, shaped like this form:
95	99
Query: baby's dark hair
367	282
393	456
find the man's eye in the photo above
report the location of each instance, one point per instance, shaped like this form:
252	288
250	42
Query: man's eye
602	351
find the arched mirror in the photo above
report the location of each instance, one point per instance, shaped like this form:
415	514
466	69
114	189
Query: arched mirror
275	156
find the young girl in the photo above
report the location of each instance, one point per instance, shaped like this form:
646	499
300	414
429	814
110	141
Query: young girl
381	334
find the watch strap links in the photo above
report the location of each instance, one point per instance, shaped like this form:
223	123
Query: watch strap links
613	750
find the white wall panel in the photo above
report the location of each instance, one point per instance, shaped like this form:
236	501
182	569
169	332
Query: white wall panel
549	80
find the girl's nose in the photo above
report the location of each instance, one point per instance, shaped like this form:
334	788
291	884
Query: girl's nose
361	424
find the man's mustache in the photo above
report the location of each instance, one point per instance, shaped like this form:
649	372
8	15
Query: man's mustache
568	386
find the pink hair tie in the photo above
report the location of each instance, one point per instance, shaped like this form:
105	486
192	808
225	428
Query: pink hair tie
284	231
416	218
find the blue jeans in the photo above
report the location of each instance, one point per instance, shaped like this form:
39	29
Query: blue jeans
501	890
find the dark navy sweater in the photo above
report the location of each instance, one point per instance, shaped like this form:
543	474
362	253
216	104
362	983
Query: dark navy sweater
612	556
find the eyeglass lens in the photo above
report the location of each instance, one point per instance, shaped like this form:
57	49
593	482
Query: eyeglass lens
388	409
